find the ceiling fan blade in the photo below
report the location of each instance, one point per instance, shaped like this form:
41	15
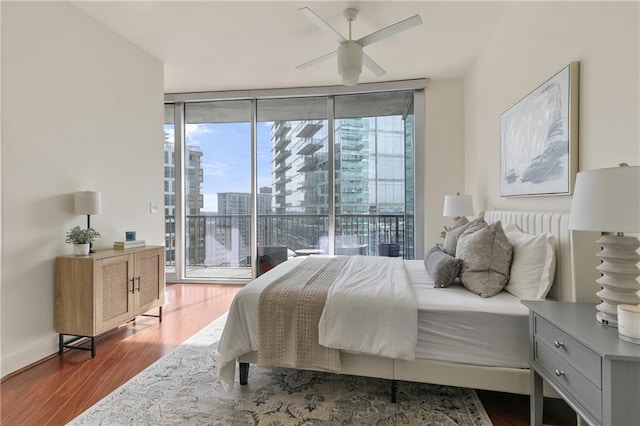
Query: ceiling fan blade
390	30
311	15
373	67
316	60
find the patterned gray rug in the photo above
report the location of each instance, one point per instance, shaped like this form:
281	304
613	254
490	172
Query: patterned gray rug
182	388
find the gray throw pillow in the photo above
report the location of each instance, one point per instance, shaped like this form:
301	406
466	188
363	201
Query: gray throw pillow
443	268
475	225
451	238
486	260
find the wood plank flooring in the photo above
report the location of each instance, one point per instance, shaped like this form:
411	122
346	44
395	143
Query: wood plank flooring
59	388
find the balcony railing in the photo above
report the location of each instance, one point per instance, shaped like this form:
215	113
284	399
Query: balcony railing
224	240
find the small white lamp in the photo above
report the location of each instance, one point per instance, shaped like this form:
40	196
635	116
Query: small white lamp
87	202
608	201
457	205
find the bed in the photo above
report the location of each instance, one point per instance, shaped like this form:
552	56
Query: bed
461	340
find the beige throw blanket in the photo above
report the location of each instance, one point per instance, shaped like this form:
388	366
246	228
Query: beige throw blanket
288	313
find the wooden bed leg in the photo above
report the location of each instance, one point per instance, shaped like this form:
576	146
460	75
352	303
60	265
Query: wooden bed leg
394	390
244	373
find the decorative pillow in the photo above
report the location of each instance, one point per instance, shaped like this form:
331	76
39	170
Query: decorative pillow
451	238
460	220
510	227
475	225
443	268
486	255
533	266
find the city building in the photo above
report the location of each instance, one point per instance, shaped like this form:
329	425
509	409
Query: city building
194	197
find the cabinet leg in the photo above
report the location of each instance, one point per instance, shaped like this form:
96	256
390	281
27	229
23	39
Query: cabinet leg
159	316
69	343
536	399
394	391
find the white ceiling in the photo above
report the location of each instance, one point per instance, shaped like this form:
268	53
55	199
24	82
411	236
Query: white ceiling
239	45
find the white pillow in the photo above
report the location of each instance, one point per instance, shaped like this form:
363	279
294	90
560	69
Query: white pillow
533	266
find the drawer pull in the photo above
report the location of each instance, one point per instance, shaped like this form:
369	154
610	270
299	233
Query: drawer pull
558	344
559	373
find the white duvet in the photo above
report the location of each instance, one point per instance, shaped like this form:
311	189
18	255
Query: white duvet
370	309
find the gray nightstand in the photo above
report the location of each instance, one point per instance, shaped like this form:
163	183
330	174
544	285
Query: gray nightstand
597	373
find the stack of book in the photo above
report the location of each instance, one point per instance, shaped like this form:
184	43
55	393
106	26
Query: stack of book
121	245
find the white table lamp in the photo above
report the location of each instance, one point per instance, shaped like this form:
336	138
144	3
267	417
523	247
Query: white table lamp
87	203
608	201
457	205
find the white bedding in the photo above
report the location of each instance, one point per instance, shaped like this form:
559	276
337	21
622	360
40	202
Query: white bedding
454	324
371	309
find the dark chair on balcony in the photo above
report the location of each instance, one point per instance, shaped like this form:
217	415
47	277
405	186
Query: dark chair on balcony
268	257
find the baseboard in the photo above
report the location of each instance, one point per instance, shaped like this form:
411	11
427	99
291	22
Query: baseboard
34	354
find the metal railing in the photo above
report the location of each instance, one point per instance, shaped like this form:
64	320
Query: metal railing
224	240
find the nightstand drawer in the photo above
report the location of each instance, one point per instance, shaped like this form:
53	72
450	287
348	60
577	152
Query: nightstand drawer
563	374
574	353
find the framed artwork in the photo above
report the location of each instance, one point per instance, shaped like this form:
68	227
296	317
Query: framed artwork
539	138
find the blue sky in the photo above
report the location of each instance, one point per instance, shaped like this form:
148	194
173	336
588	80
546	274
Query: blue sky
226	157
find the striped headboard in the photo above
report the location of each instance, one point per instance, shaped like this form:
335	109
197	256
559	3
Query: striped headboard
566	285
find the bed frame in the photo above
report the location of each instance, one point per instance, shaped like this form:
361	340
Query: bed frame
512	380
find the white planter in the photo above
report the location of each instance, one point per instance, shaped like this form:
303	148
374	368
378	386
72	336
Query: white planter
81	249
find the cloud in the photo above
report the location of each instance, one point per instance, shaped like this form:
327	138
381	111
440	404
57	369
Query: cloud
193	132
215	169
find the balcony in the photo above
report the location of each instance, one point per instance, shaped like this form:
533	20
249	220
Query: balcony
220	244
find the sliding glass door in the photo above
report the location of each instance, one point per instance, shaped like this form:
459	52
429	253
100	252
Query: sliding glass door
217	189
373	146
293	181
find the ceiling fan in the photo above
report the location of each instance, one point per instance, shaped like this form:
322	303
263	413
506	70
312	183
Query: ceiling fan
350	54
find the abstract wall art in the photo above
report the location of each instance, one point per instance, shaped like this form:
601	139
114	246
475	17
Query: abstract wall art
539	138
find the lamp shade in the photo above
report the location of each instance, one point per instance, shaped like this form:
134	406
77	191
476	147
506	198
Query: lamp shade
457	205
350	62
607	200
87	202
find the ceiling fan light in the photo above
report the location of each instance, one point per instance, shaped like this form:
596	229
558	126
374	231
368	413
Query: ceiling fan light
350	76
350	62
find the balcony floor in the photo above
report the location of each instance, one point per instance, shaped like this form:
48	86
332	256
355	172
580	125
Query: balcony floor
213	273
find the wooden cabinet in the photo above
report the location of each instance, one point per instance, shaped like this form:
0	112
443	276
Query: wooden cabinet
105	289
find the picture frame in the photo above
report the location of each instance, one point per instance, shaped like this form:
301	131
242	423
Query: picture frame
539	138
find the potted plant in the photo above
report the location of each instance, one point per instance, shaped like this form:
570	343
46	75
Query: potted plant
81	239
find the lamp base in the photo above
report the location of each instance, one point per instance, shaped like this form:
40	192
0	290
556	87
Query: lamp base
619	276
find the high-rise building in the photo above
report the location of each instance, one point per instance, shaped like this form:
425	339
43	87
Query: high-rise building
230	203
370	172
194	197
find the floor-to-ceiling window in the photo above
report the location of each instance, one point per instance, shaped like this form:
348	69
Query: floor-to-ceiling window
270	176
370	156
169	189
217	189
292	175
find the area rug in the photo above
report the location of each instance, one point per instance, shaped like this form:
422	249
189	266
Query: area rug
182	388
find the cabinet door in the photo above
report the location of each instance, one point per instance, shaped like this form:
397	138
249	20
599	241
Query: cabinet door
114	291
149	280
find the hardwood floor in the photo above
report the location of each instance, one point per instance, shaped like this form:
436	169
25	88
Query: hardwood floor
59	388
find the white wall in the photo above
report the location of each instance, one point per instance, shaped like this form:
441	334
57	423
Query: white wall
444	153
82	111
533	42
